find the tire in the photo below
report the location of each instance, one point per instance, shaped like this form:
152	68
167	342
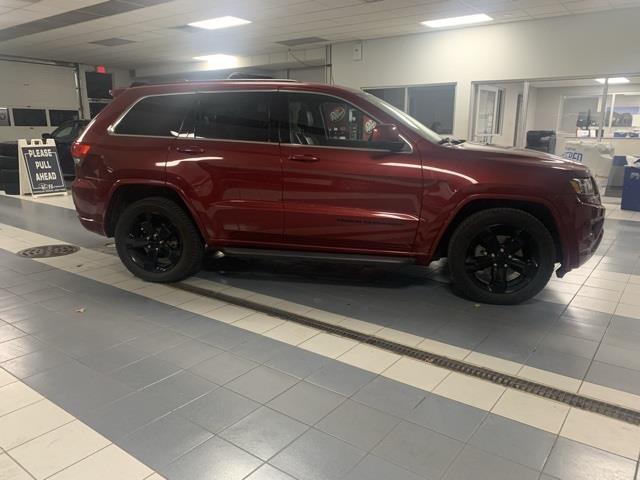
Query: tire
180	246
502	256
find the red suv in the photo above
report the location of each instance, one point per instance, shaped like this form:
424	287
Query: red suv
276	167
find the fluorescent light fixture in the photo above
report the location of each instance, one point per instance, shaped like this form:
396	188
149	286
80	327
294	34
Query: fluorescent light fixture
218	61
613	80
219	22
454	21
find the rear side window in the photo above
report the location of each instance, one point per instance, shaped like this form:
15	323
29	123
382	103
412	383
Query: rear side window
234	116
158	116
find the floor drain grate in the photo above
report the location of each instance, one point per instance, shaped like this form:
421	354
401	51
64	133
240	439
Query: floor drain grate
568	398
48	251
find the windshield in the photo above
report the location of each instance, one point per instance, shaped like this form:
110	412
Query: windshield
405	119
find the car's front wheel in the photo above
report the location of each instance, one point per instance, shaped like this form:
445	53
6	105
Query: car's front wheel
501	256
157	241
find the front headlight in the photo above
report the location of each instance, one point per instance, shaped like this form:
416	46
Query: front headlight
584	186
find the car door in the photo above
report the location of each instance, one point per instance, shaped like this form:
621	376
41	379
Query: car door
227	160
342	191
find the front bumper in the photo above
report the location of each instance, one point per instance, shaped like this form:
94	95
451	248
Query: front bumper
586	231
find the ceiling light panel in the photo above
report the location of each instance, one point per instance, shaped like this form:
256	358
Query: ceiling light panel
220	22
456	21
613	80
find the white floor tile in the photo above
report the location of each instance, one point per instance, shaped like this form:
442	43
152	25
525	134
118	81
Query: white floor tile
291	333
369	358
398	336
605	433
415	373
6	378
10	470
493	363
470	390
531	410
328	345
30	422
632	311
361	326
16	395
439	348
550	379
58	449
600	293
229	313
610	395
110	463
258	322
595	304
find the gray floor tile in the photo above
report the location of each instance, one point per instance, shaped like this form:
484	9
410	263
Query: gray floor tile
374	468
622	357
188	354
9	332
572	327
181	388
264	432
123	416
508	348
557	362
77	388
145	372
358	424
260	349
418	449
223	368
113	358
587	316
45	294
297	362
514	441
158	341
196	326
618	337
218	409
341	378
613	376
318	456
161	442
579	347
227	337
390	396
267	472
474	464
26	365
262	384
22	313
306	402
214	459
447	416
19	346
618	322
571	460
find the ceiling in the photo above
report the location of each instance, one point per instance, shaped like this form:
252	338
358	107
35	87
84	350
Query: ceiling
131	33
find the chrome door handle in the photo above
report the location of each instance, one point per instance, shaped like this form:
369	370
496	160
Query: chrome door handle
190	150
303	158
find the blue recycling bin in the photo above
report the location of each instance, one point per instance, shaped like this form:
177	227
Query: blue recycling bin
631	189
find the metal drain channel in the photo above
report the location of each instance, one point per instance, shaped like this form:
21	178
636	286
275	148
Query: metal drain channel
574	400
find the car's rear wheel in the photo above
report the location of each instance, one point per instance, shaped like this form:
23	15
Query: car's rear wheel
157	241
501	256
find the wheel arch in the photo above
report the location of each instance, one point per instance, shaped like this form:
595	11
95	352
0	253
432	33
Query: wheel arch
538	209
125	194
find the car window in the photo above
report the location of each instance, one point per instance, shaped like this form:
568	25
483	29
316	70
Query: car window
62	132
158	116
327	121
234	116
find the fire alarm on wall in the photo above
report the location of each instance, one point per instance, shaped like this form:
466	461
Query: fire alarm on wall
357	52
101	69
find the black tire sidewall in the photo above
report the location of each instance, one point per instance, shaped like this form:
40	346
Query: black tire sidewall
462	282
192	247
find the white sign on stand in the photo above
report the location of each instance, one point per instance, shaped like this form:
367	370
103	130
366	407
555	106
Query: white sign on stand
39	168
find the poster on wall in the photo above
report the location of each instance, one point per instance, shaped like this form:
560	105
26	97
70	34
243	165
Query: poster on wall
40	172
4	117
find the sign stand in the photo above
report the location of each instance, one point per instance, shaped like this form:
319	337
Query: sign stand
39	171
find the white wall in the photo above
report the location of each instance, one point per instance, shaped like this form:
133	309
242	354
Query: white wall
588	44
37	86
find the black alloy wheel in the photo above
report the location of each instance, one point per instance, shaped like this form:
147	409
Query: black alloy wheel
154	243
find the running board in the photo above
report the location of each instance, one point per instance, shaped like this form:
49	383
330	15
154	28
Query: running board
340	257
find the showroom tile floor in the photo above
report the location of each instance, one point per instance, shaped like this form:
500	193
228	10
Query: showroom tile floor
126	379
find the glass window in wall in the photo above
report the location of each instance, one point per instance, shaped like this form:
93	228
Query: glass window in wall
394	96
622	119
561	111
433	106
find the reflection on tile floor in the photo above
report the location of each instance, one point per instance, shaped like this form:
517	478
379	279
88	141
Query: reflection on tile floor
192	397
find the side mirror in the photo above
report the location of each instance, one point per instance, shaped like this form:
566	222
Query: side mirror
46	136
387	137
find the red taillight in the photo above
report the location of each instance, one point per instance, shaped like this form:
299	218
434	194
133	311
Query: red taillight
79	152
